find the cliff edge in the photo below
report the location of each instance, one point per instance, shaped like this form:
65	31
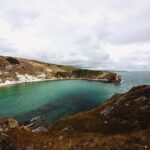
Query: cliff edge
17	70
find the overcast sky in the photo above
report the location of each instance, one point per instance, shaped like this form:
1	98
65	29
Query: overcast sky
95	34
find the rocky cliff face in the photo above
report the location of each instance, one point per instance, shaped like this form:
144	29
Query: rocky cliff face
120	123
90	75
14	70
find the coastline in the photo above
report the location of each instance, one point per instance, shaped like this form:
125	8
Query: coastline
6	84
20	82
17	70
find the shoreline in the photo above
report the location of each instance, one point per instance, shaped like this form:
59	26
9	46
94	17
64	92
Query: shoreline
42	80
20	82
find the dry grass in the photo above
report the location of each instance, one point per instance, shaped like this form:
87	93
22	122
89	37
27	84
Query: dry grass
20	139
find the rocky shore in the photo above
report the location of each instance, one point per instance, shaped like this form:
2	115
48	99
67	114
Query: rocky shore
120	123
18	70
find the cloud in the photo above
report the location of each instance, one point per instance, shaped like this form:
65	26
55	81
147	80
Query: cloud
139	59
135	28
6	48
90	34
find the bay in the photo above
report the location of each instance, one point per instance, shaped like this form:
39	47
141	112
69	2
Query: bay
56	99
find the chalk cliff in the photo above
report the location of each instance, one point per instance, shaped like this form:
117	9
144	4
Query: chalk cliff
18	70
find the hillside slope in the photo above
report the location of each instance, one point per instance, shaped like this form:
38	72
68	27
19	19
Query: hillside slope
13	70
122	113
120	123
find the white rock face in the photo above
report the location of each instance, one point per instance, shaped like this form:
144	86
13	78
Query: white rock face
27	78
48	70
8	67
23	78
9	82
41	76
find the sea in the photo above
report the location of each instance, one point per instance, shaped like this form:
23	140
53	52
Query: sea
53	100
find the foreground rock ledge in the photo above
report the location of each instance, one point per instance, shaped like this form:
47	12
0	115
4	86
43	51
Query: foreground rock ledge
120	123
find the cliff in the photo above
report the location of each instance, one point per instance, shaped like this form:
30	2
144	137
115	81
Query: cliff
18	70
120	123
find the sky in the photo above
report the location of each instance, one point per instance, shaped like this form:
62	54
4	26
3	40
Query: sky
93	34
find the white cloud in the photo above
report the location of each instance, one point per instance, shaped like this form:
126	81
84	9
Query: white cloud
90	34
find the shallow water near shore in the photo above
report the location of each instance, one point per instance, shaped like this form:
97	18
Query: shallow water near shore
55	99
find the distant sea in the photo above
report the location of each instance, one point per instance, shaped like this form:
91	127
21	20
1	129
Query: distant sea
56	99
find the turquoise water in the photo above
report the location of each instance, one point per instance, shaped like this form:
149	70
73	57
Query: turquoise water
56	99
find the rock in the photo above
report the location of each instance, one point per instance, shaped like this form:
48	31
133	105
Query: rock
84	74
24	70
36	124
117	78
8	124
41	76
12	60
40	129
7	82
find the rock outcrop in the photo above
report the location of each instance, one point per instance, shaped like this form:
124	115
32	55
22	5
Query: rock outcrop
122	113
90	75
7	124
18	70
120	123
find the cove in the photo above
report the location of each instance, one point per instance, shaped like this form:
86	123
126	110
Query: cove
55	99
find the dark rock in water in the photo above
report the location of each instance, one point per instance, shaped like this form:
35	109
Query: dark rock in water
120	123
